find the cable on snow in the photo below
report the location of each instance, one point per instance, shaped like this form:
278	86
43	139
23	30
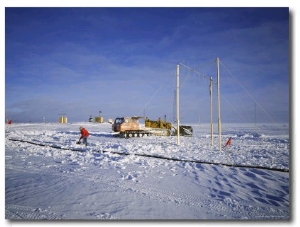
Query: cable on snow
156	156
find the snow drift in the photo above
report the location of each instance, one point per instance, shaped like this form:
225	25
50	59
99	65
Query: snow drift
48	176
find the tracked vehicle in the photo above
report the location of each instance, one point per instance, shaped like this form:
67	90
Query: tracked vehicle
129	127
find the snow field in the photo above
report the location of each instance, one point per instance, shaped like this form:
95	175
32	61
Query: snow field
47	183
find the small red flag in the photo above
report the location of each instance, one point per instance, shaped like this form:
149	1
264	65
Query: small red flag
228	142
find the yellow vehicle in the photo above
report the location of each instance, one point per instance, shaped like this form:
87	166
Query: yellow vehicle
129	127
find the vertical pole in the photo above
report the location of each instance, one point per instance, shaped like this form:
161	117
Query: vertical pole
219	111
174	107
177	103
211	114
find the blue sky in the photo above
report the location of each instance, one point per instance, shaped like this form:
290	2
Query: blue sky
122	62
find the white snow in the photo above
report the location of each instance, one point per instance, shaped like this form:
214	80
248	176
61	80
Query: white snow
92	183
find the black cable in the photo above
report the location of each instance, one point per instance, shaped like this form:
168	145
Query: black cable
159	157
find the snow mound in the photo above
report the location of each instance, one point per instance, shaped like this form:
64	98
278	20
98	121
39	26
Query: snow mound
49	176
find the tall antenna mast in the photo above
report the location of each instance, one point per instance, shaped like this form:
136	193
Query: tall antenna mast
174	107
211	112
219	111
177	104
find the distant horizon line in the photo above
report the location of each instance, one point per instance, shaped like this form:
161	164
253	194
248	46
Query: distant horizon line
182	123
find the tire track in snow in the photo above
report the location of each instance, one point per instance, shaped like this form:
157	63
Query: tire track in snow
127	186
15	212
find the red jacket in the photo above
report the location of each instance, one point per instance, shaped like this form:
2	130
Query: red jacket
84	133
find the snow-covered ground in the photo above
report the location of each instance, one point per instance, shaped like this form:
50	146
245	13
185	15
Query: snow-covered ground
98	182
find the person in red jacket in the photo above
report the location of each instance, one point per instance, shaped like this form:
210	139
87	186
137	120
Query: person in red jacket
84	135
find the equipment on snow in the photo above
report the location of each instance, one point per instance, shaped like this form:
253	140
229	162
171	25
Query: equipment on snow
129	127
